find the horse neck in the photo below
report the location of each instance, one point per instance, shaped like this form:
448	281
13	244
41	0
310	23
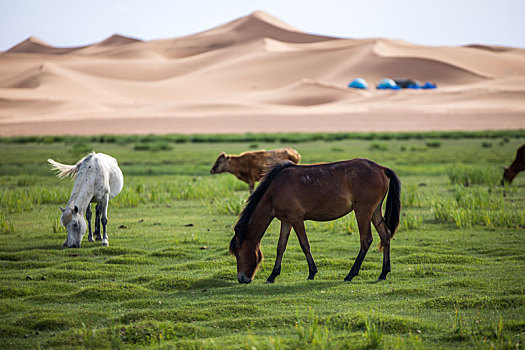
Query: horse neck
82	192
259	222
516	167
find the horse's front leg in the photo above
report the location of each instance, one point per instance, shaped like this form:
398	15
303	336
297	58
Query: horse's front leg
88	218
300	231
281	247
104	220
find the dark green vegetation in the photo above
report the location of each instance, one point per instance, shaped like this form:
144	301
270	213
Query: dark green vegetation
166	280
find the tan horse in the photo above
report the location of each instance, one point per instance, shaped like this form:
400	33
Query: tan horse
250	166
322	192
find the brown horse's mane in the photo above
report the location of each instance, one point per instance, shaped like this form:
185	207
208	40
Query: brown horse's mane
251	204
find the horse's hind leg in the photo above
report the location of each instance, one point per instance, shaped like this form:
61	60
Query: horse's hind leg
98	214
88	218
281	247
104	220
363	218
385	235
303	241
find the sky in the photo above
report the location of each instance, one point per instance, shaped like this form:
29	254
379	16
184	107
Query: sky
67	23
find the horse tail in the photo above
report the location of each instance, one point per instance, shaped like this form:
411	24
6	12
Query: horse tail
393	202
64	170
253	200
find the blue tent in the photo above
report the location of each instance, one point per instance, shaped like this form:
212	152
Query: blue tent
358	83
429	85
387	84
414	86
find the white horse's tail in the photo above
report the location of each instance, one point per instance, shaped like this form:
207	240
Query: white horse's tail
64	170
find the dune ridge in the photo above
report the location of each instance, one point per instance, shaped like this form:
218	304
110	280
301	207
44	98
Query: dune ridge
255	74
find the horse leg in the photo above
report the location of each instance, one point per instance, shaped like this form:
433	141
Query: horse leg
252	186
385	235
98	214
281	247
104	220
365	234
88	218
303	241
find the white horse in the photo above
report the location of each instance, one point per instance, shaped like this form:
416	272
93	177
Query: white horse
98	179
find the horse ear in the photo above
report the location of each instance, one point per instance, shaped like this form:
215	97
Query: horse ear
62	209
75	209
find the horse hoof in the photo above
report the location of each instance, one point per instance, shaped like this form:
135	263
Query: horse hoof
91	239
269	281
105	244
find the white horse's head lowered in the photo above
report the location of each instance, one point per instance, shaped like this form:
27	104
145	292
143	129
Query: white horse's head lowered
74	222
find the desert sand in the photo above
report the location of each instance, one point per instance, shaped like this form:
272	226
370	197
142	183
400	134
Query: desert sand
255	74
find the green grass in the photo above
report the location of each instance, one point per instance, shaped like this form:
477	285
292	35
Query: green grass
167	280
473	175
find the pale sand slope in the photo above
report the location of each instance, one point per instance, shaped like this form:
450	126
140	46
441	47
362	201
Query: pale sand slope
255	74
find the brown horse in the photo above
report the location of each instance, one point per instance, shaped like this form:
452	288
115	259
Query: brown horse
322	192
509	173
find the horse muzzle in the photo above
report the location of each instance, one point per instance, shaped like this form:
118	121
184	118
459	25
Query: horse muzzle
66	244
243	279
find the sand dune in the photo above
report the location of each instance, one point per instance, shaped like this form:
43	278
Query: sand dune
33	45
255	74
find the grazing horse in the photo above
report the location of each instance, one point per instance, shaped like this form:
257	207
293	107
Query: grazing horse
509	173
321	192
250	166
97	179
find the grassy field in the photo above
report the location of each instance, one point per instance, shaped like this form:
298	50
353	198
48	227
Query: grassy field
167	281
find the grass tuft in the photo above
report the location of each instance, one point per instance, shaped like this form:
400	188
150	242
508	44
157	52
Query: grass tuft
6	227
311	334
373	333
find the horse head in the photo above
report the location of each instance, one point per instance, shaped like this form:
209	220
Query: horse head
74	222
508	175
248	255
220	164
